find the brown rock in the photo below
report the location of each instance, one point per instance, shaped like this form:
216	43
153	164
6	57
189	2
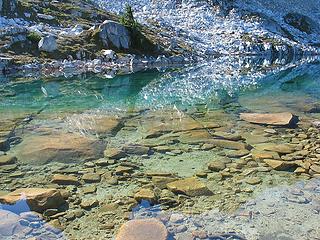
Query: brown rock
38	199
315	168
216	166
7	159
253	180
162	181
145	194
143	229
280	165
89	203
273	147
38	150
65	179
189	186
136	149
261	155
91	177
114	153
277	119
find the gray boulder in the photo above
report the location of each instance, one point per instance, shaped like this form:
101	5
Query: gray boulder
48	44
114	33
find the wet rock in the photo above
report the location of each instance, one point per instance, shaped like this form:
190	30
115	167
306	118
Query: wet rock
65	179
38	199
10	225
145	194
91	177
217	165
273	147
7	159
260	155
114	153
227	136
136	149
237	154
122	169
143	229
189	186
38	150
277	119
162	181
89	189
230	144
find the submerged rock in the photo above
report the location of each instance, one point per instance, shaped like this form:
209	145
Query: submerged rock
145	194
38	199
62	147
7	159
143	229
189	186
277	119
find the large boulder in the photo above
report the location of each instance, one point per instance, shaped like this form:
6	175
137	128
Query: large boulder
66	148
114	33
48	44
276	119
38	199
143	229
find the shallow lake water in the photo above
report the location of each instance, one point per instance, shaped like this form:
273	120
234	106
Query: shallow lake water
166	144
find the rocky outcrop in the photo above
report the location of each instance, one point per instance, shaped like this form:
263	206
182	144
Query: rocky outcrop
38	199
115	34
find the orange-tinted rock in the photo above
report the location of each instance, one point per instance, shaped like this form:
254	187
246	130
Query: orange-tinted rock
38	199
65	179
143	229
189	186
277	119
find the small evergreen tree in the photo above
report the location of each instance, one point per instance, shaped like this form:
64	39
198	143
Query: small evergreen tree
127	18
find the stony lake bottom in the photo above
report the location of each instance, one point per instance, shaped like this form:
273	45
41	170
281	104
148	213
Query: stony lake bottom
165	144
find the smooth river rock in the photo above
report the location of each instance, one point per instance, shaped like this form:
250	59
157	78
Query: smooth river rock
143	229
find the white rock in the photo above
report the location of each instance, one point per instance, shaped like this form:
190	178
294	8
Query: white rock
48	44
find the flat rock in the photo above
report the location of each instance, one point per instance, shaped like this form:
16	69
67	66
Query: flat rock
143	229
189	186
7	159
162	181
38	199
136	149
91	177
145	194
230	144
261	155
280	165
277	119
38	150
114	153
65	179
274	147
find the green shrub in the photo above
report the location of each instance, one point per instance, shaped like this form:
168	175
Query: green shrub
127	18
34	37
